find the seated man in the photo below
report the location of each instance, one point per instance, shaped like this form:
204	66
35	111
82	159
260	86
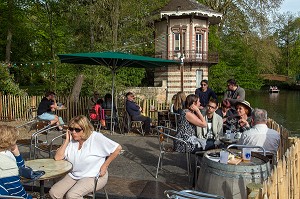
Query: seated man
134	111
260	134
46	108
214	127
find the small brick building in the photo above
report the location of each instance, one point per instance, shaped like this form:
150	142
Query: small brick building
182	34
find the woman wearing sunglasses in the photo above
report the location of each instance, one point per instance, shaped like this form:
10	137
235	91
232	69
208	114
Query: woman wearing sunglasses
90	152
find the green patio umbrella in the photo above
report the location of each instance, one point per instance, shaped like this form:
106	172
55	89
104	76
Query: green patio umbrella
115	61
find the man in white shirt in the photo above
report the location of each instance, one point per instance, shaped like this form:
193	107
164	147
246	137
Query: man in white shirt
260	134
214	128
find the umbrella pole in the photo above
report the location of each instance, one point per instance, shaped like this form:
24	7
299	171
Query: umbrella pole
112	101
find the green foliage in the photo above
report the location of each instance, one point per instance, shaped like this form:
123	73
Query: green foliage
7	84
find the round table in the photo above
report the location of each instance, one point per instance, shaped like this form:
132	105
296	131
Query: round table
53	169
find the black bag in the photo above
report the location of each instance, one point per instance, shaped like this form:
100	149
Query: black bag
27	172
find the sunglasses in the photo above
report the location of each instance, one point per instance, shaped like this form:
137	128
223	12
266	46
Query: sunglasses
203	84
77	130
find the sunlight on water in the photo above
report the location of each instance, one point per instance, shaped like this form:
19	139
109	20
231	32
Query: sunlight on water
283	107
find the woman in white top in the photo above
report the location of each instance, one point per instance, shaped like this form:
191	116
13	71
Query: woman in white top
90	152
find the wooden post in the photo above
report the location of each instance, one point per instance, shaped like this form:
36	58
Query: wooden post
253	190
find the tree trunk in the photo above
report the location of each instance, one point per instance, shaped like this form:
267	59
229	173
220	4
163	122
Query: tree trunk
9	31
115	14
77	88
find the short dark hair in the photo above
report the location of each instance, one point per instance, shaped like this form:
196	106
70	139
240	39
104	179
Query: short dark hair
107	96
48	93
205	81
232	82
129	93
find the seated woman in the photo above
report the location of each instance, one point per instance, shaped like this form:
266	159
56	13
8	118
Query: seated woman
189	118
90	153
179	103
98	113
242	120
10	161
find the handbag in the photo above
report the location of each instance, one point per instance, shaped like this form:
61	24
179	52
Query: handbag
27	172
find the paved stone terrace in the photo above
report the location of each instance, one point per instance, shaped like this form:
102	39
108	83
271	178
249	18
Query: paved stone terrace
132	174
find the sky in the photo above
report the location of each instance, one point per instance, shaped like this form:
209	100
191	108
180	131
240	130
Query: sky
291	6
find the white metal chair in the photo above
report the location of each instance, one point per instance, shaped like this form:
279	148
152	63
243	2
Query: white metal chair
48	146
9	197
189	194
164	147
36	125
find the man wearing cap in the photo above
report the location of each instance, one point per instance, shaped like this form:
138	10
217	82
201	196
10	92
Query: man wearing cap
205	94
260	134
241	121
234	92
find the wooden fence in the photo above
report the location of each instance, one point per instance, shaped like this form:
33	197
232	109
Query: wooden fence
284	181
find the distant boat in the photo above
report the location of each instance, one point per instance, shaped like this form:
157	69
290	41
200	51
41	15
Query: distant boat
273	89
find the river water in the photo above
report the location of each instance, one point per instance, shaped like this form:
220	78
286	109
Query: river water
283	107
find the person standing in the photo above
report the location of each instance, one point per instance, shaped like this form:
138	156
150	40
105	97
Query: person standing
234	92
135	110
46	110
205	94
214	128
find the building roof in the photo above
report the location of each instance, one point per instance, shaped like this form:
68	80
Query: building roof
190	7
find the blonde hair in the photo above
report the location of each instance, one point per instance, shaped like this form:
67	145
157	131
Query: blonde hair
180	100
8	137
84	123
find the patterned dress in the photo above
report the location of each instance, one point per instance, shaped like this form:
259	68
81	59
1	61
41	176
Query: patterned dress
187	132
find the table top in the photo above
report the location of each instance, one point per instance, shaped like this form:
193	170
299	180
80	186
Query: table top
228	141
52	168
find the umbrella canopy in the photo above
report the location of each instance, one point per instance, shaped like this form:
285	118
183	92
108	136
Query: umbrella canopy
114	61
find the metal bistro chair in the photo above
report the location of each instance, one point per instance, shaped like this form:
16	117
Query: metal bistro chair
9	197
189	194
93	194
49	146
108	117
173	118
36	125
164	147
130	124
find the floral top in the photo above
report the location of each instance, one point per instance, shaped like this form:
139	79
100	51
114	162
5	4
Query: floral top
232	123
187	132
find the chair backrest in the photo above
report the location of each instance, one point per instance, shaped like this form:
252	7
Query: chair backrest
173	117
190	194
6	196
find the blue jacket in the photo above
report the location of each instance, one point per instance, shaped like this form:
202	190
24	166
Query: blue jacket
205	96
132	108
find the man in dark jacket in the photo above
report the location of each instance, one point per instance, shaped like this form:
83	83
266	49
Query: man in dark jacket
134	112
205	94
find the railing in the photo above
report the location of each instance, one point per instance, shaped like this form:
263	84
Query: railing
190	56
284	181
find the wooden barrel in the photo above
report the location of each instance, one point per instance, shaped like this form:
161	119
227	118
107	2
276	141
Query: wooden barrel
228	180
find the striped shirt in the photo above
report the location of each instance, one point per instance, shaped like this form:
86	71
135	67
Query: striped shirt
12	185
